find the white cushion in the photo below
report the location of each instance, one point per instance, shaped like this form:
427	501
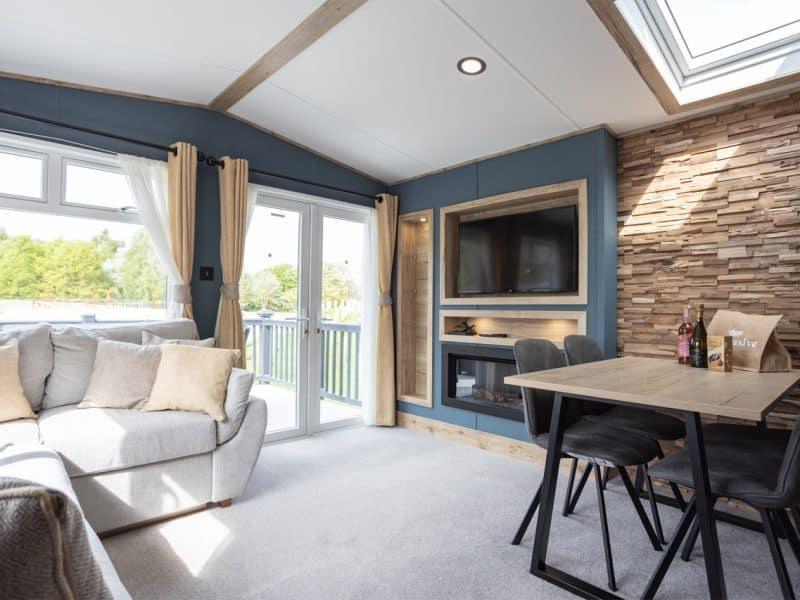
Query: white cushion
21	431
96	440
183	329
236	397
149	339
35	359
122	376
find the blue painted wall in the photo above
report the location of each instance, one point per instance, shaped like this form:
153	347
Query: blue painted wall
163	123
590	155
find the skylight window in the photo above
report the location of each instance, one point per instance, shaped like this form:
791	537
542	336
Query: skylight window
707	47
708	26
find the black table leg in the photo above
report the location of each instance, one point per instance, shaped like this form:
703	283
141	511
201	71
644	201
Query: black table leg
549	483
539	566
705	506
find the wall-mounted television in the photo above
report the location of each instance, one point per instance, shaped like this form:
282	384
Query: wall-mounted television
532	252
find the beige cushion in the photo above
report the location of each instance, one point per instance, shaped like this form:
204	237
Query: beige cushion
35	359
122	376
149	338
13	404
192	378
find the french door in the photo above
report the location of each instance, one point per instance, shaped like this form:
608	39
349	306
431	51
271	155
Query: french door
301	294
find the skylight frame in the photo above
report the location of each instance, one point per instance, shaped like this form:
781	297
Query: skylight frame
688	68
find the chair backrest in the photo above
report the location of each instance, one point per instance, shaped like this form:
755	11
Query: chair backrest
581	349
537	355
787	489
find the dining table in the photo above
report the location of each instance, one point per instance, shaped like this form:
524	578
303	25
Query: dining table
663	385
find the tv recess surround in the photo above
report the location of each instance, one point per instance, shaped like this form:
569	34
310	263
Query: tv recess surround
569	193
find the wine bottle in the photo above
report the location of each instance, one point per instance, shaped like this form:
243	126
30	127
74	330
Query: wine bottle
698	346
685	336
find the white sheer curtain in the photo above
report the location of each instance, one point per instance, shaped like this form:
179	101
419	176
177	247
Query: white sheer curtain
147	180
369	318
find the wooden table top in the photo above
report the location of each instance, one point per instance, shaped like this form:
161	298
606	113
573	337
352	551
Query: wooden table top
662	383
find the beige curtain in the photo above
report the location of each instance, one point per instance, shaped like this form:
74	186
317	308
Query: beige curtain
384	351
182	200
233	215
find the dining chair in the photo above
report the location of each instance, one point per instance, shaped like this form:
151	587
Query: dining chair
760	440
745	470
580	349
597	443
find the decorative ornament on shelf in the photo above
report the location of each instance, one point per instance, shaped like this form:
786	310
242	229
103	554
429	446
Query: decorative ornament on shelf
463	328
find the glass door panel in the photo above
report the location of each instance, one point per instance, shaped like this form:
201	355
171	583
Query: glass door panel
274	301
336	345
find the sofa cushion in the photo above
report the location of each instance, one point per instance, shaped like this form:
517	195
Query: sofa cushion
96	440
151	339
35	359
183	329
21	431
74	352
122	376
13	404
192	378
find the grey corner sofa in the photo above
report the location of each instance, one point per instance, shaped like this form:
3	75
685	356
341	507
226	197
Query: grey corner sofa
126	467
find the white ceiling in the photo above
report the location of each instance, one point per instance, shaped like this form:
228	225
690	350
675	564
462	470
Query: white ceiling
379	92
178	49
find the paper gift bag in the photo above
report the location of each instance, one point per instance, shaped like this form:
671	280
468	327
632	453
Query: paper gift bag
755	344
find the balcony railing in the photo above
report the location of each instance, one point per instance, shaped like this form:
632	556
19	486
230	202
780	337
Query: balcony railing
272	355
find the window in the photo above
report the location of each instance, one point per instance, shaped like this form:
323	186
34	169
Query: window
21	174
707	47
70	247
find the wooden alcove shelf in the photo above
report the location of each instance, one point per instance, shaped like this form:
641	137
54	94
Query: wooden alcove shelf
415	308
517	324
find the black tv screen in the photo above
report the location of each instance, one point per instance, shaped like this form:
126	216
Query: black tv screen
534	252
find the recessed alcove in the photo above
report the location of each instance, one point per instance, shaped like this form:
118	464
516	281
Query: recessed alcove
514	324
514	203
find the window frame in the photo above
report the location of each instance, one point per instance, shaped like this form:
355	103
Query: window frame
15	150
56	159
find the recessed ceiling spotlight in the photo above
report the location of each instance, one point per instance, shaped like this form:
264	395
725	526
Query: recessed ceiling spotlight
471	65
423	219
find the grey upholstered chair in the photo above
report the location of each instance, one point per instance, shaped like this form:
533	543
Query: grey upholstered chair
599	444
658	426
747	466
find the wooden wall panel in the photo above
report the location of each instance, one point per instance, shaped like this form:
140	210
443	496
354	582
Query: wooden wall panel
709	211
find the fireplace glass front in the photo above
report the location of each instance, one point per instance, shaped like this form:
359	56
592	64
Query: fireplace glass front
476	383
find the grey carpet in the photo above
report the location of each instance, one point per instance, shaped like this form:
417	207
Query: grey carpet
367	513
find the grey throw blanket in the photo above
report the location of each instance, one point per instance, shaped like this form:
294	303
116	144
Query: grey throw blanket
44	549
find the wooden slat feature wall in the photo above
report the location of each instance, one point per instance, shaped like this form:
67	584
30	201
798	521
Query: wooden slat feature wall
709	211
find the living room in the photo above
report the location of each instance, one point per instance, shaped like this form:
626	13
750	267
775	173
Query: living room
346	298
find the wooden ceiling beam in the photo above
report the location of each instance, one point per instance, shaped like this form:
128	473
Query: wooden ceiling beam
313	27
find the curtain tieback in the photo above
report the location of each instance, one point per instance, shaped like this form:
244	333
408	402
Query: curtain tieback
230	290
182	293
384	299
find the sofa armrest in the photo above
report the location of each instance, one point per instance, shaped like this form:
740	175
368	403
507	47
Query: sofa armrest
236	397
232	463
